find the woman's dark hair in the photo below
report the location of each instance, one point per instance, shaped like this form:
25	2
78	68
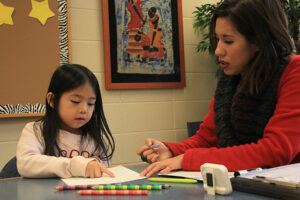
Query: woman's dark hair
263	23
68	77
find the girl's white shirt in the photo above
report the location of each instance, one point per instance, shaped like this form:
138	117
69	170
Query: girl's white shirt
70	162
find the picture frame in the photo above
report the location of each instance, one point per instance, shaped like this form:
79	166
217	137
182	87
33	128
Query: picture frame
143	44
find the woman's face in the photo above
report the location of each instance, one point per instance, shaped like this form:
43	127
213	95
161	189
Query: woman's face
233	49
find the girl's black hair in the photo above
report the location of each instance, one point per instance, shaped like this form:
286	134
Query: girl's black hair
263	23
68	77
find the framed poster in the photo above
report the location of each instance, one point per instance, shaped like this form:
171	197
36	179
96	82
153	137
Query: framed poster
34	42
143	44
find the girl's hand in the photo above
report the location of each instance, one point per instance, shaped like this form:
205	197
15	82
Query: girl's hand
95	169
164	166
154	155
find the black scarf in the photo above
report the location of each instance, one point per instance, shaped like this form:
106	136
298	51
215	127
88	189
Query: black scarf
240	118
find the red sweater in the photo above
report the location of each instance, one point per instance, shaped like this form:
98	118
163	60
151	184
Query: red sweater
280	144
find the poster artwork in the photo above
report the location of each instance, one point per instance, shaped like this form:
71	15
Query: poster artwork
144	37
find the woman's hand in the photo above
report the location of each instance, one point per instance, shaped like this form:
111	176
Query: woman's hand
154	155
95	169
164	166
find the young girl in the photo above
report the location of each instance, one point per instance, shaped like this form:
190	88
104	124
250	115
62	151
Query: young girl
70	139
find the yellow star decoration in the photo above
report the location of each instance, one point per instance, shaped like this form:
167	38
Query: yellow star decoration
5	14
41	11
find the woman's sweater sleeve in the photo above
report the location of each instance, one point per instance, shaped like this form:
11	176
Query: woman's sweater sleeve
33	164
280	144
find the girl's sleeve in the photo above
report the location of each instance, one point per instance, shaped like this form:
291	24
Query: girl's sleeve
32	163
279	145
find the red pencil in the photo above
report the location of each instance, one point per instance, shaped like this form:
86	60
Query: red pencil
113	192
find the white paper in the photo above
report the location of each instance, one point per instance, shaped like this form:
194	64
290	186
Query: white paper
122	174
286	173
190	174
185	174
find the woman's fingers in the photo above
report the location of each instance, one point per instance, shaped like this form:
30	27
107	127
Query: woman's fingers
166	170
148	154
143	173
141	149
151	169
154	169
149	142
151	152
164	166
152	158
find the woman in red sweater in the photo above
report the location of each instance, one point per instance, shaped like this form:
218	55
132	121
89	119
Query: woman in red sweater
254	117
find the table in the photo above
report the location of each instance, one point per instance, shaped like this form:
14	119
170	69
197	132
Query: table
39	189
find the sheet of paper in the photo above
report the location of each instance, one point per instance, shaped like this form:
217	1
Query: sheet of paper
288	173
185	174
190	174
122	174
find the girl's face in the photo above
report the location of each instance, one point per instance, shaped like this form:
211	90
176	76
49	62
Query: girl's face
233	49
76	107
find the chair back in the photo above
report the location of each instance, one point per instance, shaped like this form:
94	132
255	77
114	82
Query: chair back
10	169
193	127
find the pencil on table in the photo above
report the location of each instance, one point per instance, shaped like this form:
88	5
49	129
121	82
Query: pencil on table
127	187
113	192
85	187
164	186
73	187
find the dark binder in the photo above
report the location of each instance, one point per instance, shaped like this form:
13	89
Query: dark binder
266	189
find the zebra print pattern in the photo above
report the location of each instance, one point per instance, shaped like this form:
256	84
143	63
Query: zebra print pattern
63	34
18	109
64	59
